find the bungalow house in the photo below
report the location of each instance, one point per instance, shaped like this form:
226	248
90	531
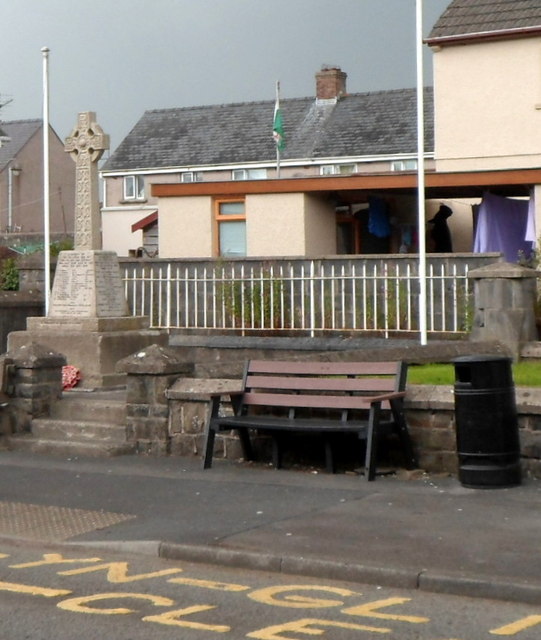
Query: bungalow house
348	182
334	134
21	183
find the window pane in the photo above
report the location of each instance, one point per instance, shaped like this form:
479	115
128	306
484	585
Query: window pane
140	187
233	238
231	208
129	187
257	174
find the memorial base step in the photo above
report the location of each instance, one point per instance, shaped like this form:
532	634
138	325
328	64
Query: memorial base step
81	424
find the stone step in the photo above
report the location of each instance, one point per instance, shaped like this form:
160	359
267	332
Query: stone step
27	442
82	423
106	407
79	430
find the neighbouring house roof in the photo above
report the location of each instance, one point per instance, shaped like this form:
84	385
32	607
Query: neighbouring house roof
145	222
477	17
19	133
357	125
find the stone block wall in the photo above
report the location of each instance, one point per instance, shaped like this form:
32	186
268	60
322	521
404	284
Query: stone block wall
430	411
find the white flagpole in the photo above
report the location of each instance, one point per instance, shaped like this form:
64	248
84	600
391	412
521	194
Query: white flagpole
421	174
276	107
46	181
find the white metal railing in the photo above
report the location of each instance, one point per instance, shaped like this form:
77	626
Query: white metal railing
301	296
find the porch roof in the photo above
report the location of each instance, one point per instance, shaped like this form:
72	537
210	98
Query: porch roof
467	184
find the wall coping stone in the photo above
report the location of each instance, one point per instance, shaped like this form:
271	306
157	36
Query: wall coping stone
202	388
36	356
502	270
154	360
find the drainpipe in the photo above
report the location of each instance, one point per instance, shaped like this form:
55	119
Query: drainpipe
13	171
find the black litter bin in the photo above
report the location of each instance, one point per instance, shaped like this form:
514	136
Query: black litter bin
487	437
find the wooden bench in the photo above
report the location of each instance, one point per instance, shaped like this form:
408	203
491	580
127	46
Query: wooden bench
330	398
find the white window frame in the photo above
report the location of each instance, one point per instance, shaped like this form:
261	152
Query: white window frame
191	176
404	165
249	174
345	169
134	187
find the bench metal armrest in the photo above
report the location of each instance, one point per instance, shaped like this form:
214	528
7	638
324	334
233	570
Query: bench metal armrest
393	395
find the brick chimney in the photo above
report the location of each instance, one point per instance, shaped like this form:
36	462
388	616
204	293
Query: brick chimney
330	83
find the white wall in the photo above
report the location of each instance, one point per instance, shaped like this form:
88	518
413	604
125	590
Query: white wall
116	231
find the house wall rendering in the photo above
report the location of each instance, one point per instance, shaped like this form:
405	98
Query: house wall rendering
487	101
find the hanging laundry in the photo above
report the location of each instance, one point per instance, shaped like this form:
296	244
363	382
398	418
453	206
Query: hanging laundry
501	227
378	218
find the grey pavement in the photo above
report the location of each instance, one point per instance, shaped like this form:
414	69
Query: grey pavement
406	530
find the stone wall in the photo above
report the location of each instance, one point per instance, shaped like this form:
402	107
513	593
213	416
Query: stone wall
429	410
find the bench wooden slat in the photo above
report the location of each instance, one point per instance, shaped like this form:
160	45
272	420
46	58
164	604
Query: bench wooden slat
305	400
322	368
322	384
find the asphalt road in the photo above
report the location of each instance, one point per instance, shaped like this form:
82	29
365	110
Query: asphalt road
84	593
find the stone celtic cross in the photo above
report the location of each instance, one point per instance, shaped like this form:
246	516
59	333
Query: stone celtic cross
86	145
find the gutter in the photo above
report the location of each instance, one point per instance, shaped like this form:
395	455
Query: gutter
522	32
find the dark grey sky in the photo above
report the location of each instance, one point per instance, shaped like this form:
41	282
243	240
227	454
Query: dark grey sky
121	57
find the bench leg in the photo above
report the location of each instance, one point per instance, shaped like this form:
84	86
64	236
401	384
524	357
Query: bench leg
329	456
276	451
246	444
210	432
209	448
371	442
403	433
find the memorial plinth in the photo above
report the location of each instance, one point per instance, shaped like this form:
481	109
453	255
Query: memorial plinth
88	321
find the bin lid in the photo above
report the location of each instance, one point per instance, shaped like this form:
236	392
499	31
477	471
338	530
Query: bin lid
481	358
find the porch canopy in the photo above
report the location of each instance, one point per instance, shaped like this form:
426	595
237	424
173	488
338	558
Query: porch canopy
470	184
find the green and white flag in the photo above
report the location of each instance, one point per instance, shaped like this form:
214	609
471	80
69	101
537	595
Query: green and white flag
278	126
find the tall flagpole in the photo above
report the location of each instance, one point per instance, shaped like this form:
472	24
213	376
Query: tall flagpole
46	181
276	110
421	174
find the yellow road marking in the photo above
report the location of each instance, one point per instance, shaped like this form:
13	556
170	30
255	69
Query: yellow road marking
307	626
32	590
515	627
77	605
172	618
117	572
52	558
294	601
369	610
209	584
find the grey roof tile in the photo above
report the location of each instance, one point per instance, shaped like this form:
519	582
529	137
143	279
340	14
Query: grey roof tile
466	17
361	124
19	133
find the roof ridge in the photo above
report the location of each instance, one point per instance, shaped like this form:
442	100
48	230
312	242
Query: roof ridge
272	101
23	121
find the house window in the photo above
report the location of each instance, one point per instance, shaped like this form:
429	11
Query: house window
231	222
134	188
249	174
404	165
191	176
337	169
